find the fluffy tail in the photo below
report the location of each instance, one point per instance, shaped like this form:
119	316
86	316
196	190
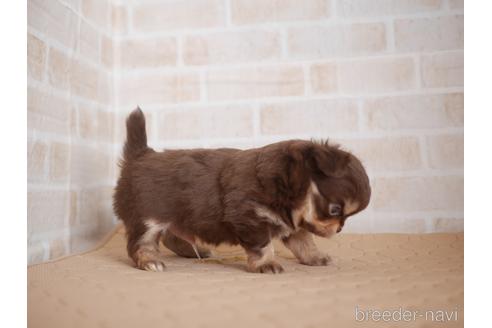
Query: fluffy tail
136	137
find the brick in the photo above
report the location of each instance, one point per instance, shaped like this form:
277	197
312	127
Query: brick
89	235
36	57
253	82
97	11
59	162
89	165
46	211
323	78
84	80
386	154
47	112
415	112
105	125
456	4
376	75
37	152
213	122
104	88
446	151
259	11
107	52
153	52
35	253
95	208
231	47
363	8
119	19
75	76
57	248
442	70
158	89
90	203
336	40
417	194
54	20
74	133
89	42
447	225
59	69
181	14
95	124
424	34
317	117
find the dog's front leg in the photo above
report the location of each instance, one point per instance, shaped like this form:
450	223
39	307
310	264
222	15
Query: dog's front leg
262	259
302	245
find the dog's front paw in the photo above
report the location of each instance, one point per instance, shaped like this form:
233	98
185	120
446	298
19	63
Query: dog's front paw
269	267
317	260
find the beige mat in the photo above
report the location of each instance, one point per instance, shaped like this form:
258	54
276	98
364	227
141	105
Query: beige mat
421	274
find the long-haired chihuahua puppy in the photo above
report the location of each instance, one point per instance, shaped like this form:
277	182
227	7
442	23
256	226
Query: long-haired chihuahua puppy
287	190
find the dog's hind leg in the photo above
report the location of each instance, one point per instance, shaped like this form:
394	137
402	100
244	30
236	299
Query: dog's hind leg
182	247
143	244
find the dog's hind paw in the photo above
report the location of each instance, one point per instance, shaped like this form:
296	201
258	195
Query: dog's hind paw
155	266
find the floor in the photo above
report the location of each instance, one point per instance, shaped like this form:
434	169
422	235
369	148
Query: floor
417	279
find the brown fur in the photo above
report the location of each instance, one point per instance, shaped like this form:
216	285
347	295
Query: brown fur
212	195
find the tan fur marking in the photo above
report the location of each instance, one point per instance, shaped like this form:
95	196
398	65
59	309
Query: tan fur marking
332	228
154	229
147	257
350	207
306	210
274	218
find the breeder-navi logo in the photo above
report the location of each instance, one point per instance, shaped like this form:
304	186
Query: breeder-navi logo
401	314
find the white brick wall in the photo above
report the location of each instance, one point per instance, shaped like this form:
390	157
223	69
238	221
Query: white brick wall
383	77
70	120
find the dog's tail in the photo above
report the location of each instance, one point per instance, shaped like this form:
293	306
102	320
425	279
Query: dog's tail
136	137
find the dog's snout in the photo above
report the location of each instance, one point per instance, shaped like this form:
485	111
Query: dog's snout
339	229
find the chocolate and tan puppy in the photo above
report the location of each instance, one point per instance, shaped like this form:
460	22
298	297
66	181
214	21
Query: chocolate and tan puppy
288	190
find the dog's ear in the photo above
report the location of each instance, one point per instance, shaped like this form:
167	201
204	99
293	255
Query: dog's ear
283	171
330	160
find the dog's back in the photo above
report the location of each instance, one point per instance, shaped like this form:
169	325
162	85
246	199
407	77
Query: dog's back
181	187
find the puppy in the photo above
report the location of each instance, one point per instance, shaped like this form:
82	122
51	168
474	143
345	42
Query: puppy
287	190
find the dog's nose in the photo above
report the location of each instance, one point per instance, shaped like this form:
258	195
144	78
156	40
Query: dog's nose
339	229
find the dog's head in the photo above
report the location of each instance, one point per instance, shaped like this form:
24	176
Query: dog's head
338	187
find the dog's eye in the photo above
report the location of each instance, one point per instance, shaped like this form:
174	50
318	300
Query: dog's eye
334	209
